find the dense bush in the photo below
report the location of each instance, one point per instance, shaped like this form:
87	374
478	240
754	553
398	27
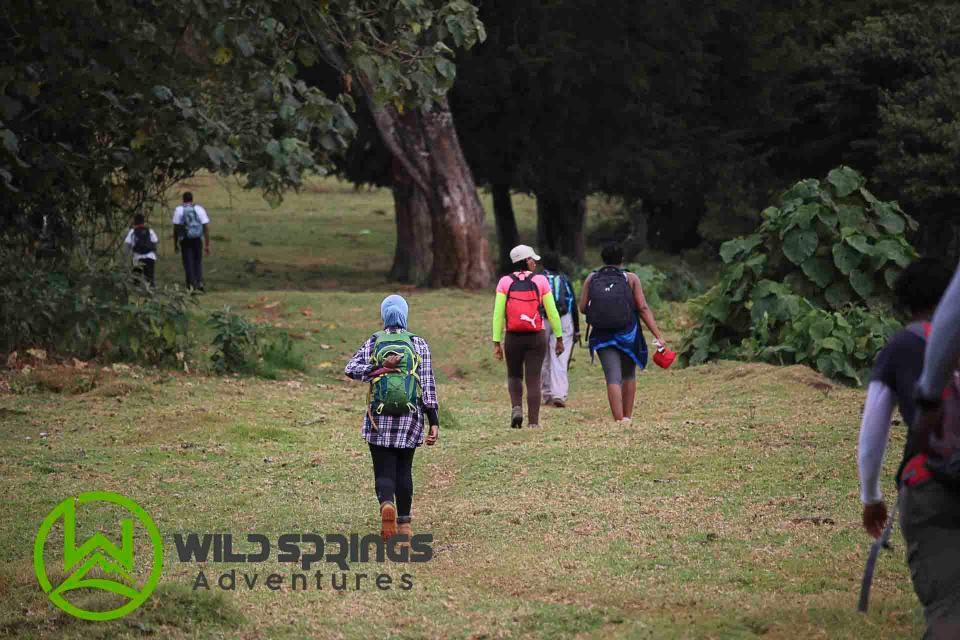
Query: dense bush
812	285
241	346
83	308
235	342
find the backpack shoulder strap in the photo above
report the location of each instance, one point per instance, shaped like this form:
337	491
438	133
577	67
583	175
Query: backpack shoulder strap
920	329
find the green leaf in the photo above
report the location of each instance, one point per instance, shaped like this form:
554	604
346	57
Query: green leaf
860	243
862	283
845	181
828	216
846	258
819	270
821	328
806	213
838	294
891	275
831	343
850	215
719	309
889	219
739	246
446	68
800	244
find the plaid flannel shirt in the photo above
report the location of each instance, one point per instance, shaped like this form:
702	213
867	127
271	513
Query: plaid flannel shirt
404	432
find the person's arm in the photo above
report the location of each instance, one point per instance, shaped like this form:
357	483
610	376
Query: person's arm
585	294
573	307
155	239
177	230
553	316
874	431
429	385
361	365
206	238
128	243
646	314
943	345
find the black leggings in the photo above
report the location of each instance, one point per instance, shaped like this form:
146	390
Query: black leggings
524	353
393	477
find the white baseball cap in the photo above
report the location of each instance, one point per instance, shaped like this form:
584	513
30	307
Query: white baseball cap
522	252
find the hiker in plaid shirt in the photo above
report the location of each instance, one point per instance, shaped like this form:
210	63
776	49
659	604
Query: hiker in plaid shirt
394	439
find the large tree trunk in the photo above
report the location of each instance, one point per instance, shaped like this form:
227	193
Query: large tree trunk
413	258
561	219
507	234
425	145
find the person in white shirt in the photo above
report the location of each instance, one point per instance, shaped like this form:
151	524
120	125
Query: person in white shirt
141	243
191	233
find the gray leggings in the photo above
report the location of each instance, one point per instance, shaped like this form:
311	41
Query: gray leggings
617	365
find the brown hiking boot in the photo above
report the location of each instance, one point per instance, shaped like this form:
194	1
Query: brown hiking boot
404	529
388	520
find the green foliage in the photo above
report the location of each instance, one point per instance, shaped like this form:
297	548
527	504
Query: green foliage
82	308
234	341
154	328
811	285
105	106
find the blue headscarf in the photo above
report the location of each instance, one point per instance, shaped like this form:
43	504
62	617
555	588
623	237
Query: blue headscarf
394	311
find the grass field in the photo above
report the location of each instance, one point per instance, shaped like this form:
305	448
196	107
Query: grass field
728	510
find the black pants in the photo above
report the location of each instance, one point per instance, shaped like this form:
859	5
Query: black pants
146	269
393	476
192	251
524	353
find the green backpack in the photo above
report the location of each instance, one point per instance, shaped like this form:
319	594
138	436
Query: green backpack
395	394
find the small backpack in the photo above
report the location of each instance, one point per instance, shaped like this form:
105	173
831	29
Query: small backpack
611	301
943	447
193	228
399	393
523	306
561	294
142	244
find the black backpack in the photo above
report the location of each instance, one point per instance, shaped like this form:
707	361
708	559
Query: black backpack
141	241
611	301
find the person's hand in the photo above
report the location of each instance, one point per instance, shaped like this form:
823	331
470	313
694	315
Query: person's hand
559	347
874	518
433	435
392	361
497	351
206	249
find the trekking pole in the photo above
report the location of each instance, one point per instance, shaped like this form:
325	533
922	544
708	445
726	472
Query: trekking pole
880	543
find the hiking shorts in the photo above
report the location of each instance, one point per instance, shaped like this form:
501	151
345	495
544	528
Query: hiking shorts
930	520
617	365
524	349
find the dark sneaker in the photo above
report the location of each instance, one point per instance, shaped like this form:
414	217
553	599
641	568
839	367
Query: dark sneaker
558	403
516	418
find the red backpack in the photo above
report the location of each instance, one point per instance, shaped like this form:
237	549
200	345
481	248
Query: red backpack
941	456
523	305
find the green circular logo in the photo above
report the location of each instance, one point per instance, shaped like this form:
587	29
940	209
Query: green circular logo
116	564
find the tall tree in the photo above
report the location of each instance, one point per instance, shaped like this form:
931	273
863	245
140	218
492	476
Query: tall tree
103	104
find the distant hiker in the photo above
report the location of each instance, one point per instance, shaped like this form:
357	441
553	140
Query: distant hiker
191	236
517	308
141	243
403	391
554	374
929	511
612	301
